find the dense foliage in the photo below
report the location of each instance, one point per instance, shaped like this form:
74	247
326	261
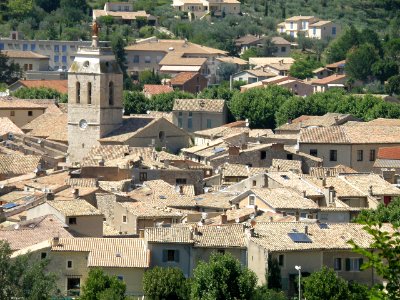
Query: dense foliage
222	278
20	278
40	93
383	214
99	286
9	71
165	283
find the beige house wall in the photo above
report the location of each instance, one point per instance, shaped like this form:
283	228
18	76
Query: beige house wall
155	58
324	32
20	116
257	261
38	64
366	165
203	254
343	153
199	120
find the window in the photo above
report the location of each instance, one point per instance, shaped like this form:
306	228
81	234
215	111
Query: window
12	113
353	264
56	48
72	57
208	123
73	284
337	264
179	181
78	92
333	30
136	59
1	46
56	58
161	136
170	255
190	123
43	255
64	48
89	93
69	264
120	277
30	113
180	122
142	176
147	59
360	155
124	219
283	49
254	182
372	155
64	59
252	199
281	259
30	67
111	93
291	25
33	47
71	221
289	156
263	155
292	33
333	155
222	251
25	47
314	30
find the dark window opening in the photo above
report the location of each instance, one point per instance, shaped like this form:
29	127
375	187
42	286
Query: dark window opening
360	155
30	113
142	176
72	221
314	152
180	181
111	93
372	155
263	154
89	100
281	259
333	155
78	92
289	156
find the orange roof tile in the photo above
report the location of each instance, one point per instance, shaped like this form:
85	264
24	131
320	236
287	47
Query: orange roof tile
182	78
155	89
389	152
330	79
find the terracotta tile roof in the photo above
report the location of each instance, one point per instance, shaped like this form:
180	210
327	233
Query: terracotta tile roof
260	73
383	122
247	39
233	60
238	170
274	236
365	182
338	64
183	77
34	231
329	119
7	126
330	79
39	127
387	163
284	198
209	105
389	153
58	85
156	89
124	15
18	164
277	40
321	172
52	181
82	182
289	179
263	61
297	18
286	165
178	59
329	135
23	54
320	23
75	207
11	102
108	252
145	210
210	236
168	46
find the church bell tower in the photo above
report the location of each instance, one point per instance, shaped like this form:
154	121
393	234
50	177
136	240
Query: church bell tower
95	84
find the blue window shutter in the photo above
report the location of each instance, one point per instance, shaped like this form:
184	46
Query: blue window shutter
164	255
177	255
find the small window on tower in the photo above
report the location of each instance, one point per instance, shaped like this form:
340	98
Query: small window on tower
78	92
89	86
111	93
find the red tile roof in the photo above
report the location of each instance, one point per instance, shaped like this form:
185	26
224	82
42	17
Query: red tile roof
182	78
389	152
155	89
58	85
330	79
336	64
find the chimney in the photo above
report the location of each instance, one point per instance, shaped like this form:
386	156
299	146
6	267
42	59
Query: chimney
224	218
181	189
289	121
255	210
297	216
304	194
75	193
265	180
336	120
271	218
306	229
323	181
251	231
141	233
50	196
101	162
55	241
370	191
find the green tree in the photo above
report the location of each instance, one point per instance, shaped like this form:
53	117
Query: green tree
393	85
9	71
385	260
338	49
38	93
259	105
382	214
274	274
222	278
359	61
225	70
165	102
106	21
99	286
263	293
303	68
165	284
149	77
325	284
134	103
251	52
384	69
20	278
20	8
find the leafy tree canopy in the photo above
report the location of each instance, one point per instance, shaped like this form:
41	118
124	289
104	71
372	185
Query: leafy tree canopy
134	102
222	278
303	68
165	102
9	71
40	93
99	286
165	283
359	61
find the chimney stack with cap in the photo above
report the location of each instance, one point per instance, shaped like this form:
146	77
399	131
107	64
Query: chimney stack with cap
224	218
55	241
75	193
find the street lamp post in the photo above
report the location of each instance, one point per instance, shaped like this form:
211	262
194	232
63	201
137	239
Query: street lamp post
298	268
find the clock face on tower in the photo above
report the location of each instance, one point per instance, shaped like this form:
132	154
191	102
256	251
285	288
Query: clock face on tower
83	124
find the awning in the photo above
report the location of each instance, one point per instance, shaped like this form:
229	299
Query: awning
180	68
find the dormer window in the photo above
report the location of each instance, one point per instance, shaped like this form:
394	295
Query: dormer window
252	200
111	93
78	92
89	95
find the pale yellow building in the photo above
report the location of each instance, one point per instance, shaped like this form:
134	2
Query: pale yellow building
201	8
19	111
